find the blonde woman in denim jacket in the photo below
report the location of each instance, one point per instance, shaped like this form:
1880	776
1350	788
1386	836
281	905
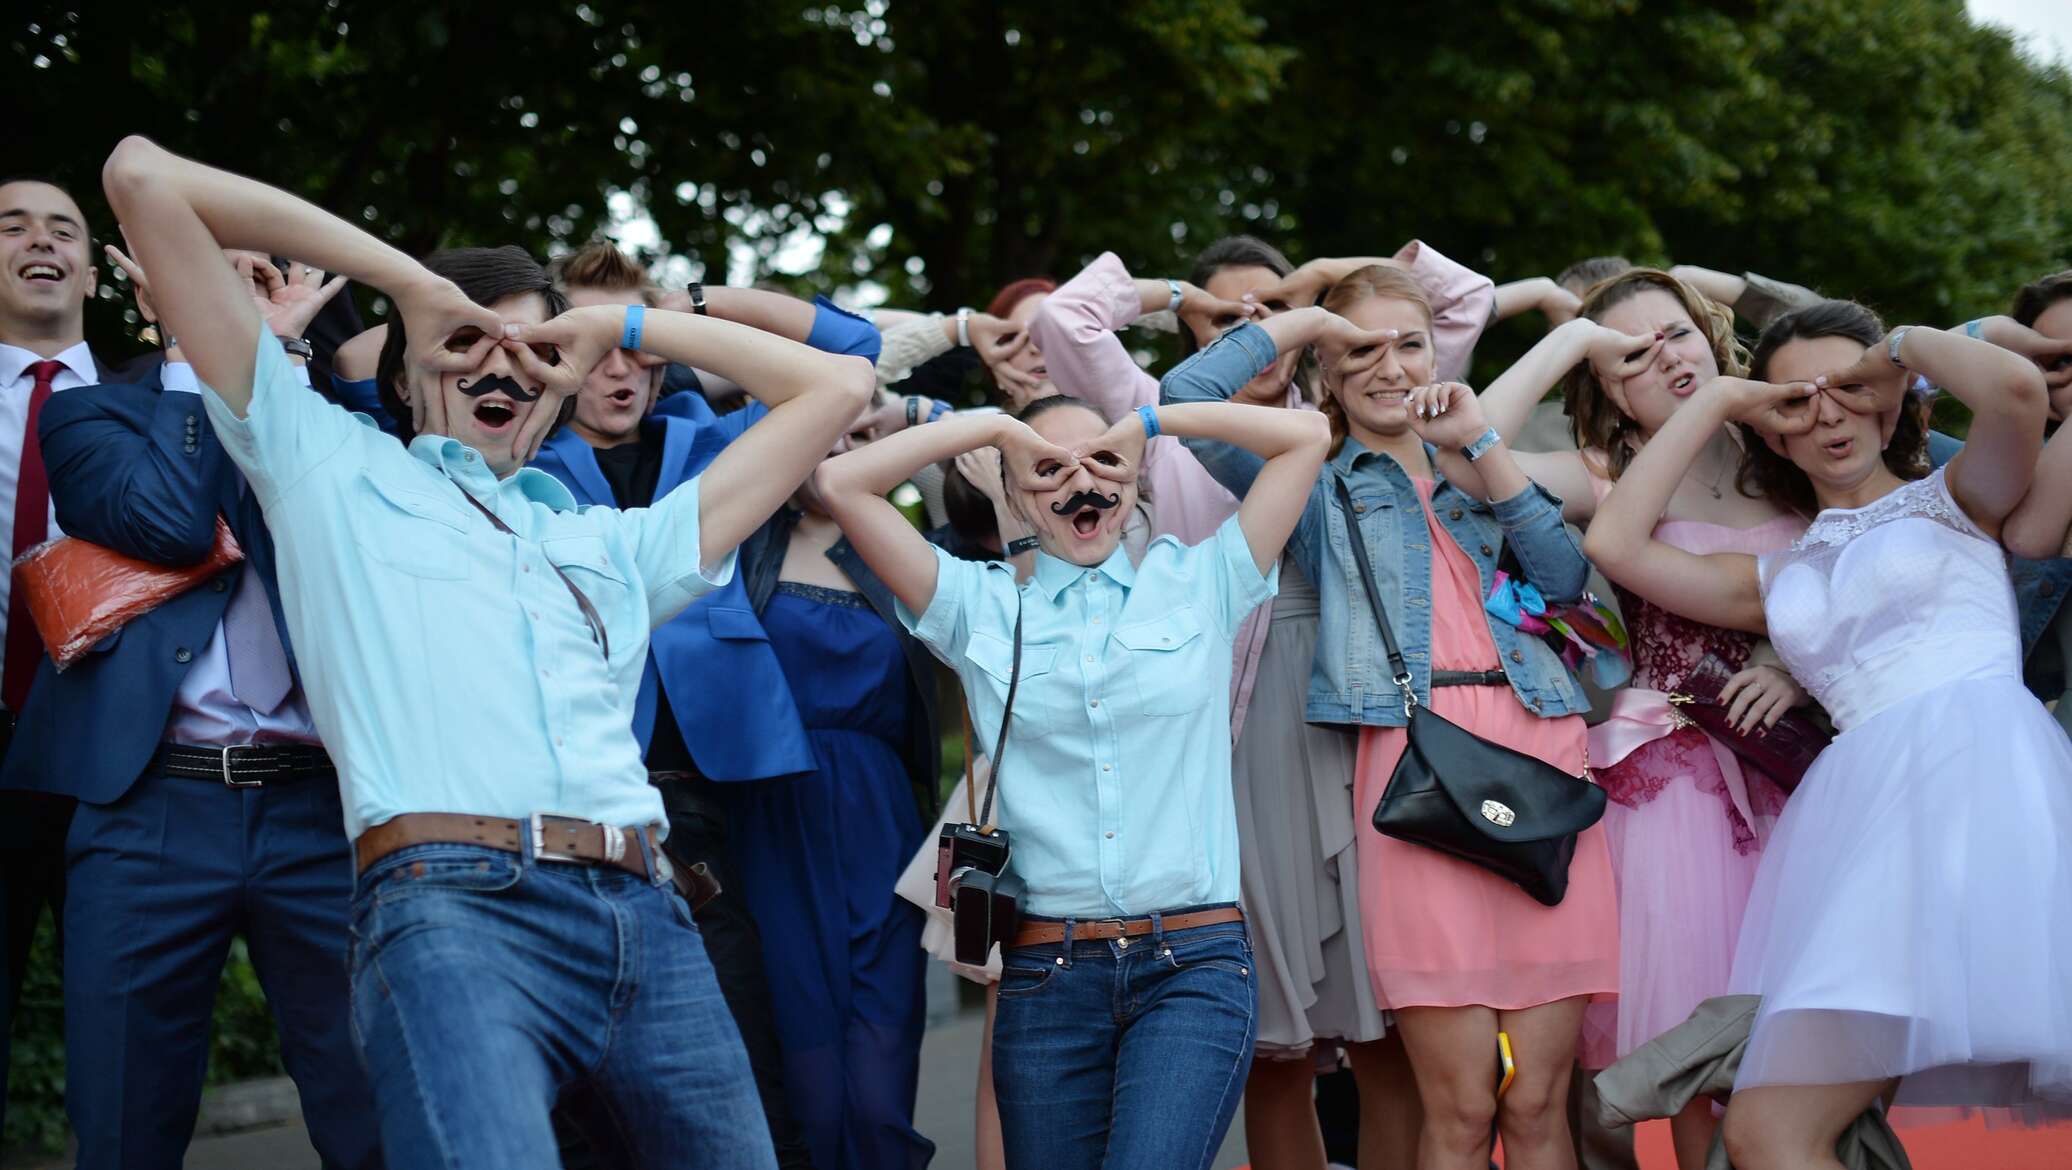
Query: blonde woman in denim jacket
1455	952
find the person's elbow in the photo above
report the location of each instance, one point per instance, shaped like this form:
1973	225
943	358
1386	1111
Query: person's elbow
834	482
2024	395
2033	538
854	383
132	166
1602	546
1315	431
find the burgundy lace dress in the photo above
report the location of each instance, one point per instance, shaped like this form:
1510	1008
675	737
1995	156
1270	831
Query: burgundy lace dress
1685	820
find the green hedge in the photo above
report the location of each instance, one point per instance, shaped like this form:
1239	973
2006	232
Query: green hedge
241	1047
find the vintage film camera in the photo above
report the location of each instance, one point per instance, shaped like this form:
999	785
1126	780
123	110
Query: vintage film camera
972	883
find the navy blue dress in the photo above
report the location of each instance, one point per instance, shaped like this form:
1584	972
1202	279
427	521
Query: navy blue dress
818	856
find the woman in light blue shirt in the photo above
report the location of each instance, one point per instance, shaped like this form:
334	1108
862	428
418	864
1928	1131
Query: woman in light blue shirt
1125	1019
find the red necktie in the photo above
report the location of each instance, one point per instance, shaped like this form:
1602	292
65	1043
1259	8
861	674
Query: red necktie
31	525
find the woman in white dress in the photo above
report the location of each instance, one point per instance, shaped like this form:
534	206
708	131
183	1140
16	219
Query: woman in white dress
1910	929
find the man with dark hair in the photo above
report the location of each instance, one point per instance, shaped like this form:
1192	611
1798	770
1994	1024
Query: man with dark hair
206	807
46	275
471	644
618	451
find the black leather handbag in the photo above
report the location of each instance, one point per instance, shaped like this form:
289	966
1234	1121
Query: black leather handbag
1514	815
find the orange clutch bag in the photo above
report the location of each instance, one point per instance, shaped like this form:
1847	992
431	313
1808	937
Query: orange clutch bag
80	592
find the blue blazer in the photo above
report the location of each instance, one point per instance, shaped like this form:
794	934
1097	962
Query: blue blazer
140	470
716	649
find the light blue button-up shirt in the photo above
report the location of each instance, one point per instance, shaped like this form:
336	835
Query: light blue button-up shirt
1115	786
447	667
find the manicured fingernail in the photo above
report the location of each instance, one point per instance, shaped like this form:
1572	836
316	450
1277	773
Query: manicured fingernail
511	330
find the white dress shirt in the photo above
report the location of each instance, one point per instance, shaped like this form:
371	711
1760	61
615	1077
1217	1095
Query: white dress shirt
15	387
206	713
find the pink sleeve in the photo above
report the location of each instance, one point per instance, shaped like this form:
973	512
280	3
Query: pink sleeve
1075	329
1461	303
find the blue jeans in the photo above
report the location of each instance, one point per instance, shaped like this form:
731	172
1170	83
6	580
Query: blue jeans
1127	1054
483	983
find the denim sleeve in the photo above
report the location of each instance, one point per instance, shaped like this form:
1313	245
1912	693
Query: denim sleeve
1546	550
837	330
1213	375
1942	448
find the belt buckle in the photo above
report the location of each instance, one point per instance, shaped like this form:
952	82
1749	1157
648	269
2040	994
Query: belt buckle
230	781
1122	926
613	840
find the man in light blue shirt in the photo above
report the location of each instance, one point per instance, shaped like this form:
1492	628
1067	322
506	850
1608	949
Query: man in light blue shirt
1125	1022
471	646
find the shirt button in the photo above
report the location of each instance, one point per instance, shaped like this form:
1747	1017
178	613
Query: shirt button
1107	767
525	568
1535	704
1488	551
1093	702
1089	658
469	456
1517	657
183	654
1109	834
557	741
1097	621
219	585
1359	507
1453	515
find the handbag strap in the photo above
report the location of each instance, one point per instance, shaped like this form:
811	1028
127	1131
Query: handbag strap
1014	682
602	640
1399	670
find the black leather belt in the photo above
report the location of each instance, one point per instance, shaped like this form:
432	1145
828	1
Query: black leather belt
245	767
1470	678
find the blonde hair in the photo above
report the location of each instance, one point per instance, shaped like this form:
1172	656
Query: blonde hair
600	264
1374	282
1596	420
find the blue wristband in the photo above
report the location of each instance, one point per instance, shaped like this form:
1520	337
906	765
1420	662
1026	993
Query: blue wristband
1975	329
630	337
1150	417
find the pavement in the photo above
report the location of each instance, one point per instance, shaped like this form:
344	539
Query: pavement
943	1109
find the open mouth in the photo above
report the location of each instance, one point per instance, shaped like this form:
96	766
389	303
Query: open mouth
621	397
1086	523
1839	448
40	271
494	414
1683	384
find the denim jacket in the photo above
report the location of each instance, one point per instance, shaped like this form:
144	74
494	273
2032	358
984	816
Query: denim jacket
1350	678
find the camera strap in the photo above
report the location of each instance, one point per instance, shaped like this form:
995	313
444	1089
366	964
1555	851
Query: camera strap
1014	682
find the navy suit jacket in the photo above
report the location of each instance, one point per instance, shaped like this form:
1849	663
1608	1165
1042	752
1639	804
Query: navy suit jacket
140	470
715	652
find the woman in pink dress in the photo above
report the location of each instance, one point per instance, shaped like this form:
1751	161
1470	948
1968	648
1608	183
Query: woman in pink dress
1686	818
1457	952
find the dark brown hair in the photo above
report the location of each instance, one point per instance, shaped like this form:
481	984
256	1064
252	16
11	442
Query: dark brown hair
2039	295
1231	252
1766	473
1594	419
485	276
1366	284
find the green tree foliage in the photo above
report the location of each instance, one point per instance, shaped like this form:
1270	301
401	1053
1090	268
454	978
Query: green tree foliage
1888	151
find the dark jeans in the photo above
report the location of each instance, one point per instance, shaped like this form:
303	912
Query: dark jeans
698	832
161	881
1124	1055
483	981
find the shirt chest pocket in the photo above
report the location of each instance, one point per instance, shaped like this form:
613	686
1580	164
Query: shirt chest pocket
588	565
411	530
1165	663
1033	700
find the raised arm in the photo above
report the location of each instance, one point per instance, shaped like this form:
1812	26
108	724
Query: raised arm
2004	390
1508	402
1721	589
1554	302
179	214
1291	446
813	398
2040	527
853	485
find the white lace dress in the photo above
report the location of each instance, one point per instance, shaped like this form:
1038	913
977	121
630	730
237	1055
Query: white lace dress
1912	915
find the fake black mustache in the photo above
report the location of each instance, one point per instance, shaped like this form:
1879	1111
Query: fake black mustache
1085	499
496	384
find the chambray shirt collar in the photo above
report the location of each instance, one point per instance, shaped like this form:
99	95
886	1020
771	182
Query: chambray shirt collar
466	467
1053	574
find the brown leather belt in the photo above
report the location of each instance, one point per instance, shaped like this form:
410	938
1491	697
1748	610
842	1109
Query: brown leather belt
553	839
1034	934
